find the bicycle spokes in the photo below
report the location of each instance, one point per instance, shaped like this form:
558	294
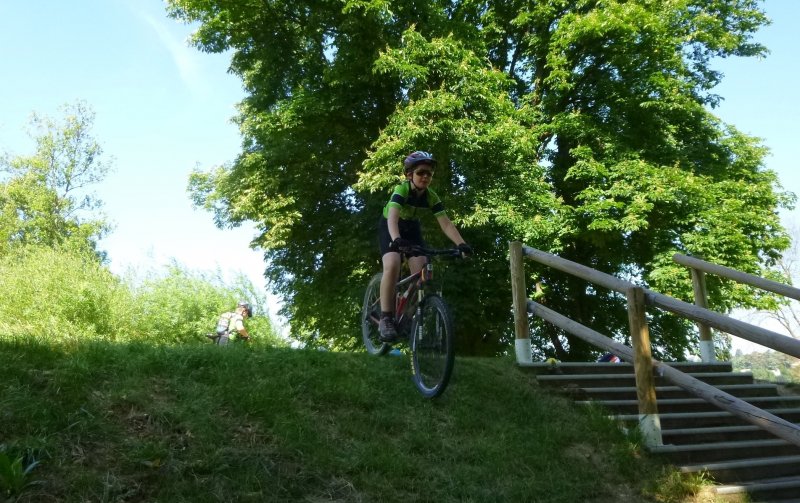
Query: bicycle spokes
432	347
370	317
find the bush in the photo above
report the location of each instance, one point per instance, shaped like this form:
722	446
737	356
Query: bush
59	293
67	294
183	305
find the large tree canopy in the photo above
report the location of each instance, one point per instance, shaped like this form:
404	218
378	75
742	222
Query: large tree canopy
579	127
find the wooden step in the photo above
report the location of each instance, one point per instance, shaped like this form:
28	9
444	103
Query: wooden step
699	419
668	405
698	437
707	434
614	380
726	451
776	490
620	368
671	392
747	470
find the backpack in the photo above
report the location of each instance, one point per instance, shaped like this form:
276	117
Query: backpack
224	323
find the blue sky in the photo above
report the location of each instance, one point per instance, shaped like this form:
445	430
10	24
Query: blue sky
761	97
164	108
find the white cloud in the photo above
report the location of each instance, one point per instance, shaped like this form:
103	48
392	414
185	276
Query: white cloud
185	57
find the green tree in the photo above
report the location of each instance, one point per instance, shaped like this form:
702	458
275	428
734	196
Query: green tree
582	128
45	197
769	366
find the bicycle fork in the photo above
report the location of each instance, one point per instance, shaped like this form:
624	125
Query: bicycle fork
427	275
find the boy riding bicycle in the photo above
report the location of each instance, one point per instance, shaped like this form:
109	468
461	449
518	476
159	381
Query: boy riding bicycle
231	324
399	229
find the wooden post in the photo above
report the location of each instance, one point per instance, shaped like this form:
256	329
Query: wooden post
519	296
649	421
707	352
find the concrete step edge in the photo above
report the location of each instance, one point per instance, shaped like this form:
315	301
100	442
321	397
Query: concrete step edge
689	415
709	430
547	365
690	401
740	463
664	389
598	377
759	485
718	446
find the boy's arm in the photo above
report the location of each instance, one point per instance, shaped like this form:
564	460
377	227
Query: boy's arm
393	220
240	328
450	230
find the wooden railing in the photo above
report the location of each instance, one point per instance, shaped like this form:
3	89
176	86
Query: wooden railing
645	366
699	268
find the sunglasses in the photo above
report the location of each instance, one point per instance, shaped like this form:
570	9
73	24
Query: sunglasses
423	172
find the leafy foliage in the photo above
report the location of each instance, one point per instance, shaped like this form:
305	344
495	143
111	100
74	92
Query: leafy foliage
45	197
183	305
15	475
581	128
769	366
66	295
55	285
60	293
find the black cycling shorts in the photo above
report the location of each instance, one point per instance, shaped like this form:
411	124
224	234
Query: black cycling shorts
409	229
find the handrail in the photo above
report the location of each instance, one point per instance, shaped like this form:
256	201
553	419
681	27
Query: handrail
752	333
641	357
741	277
699	268
761	418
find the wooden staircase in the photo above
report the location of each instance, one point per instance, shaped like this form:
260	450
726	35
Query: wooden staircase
698	437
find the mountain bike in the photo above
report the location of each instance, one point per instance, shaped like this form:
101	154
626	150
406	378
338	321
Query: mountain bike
423	319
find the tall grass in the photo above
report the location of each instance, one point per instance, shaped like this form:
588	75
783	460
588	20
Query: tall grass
59	294
68	295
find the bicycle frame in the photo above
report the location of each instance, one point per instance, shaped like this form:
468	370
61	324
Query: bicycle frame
406	304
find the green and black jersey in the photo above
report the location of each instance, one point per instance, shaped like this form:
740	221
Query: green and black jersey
410	203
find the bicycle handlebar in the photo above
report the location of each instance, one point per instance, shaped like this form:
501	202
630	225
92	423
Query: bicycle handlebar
418	251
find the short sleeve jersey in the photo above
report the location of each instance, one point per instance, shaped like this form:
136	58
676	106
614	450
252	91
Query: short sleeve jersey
410	204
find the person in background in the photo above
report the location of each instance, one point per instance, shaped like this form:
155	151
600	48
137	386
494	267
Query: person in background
231	324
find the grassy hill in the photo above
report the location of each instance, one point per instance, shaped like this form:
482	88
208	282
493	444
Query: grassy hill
197	423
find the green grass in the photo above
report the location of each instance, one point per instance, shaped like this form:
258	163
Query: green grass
111	422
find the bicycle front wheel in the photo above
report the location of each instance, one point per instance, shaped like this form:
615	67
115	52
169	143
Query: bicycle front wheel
432	347
370	317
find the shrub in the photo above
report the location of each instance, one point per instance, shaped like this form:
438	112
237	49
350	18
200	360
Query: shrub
184	305
68	294
59	293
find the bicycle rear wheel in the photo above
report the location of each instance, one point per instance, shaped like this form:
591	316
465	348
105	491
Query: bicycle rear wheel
432	347
370	317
